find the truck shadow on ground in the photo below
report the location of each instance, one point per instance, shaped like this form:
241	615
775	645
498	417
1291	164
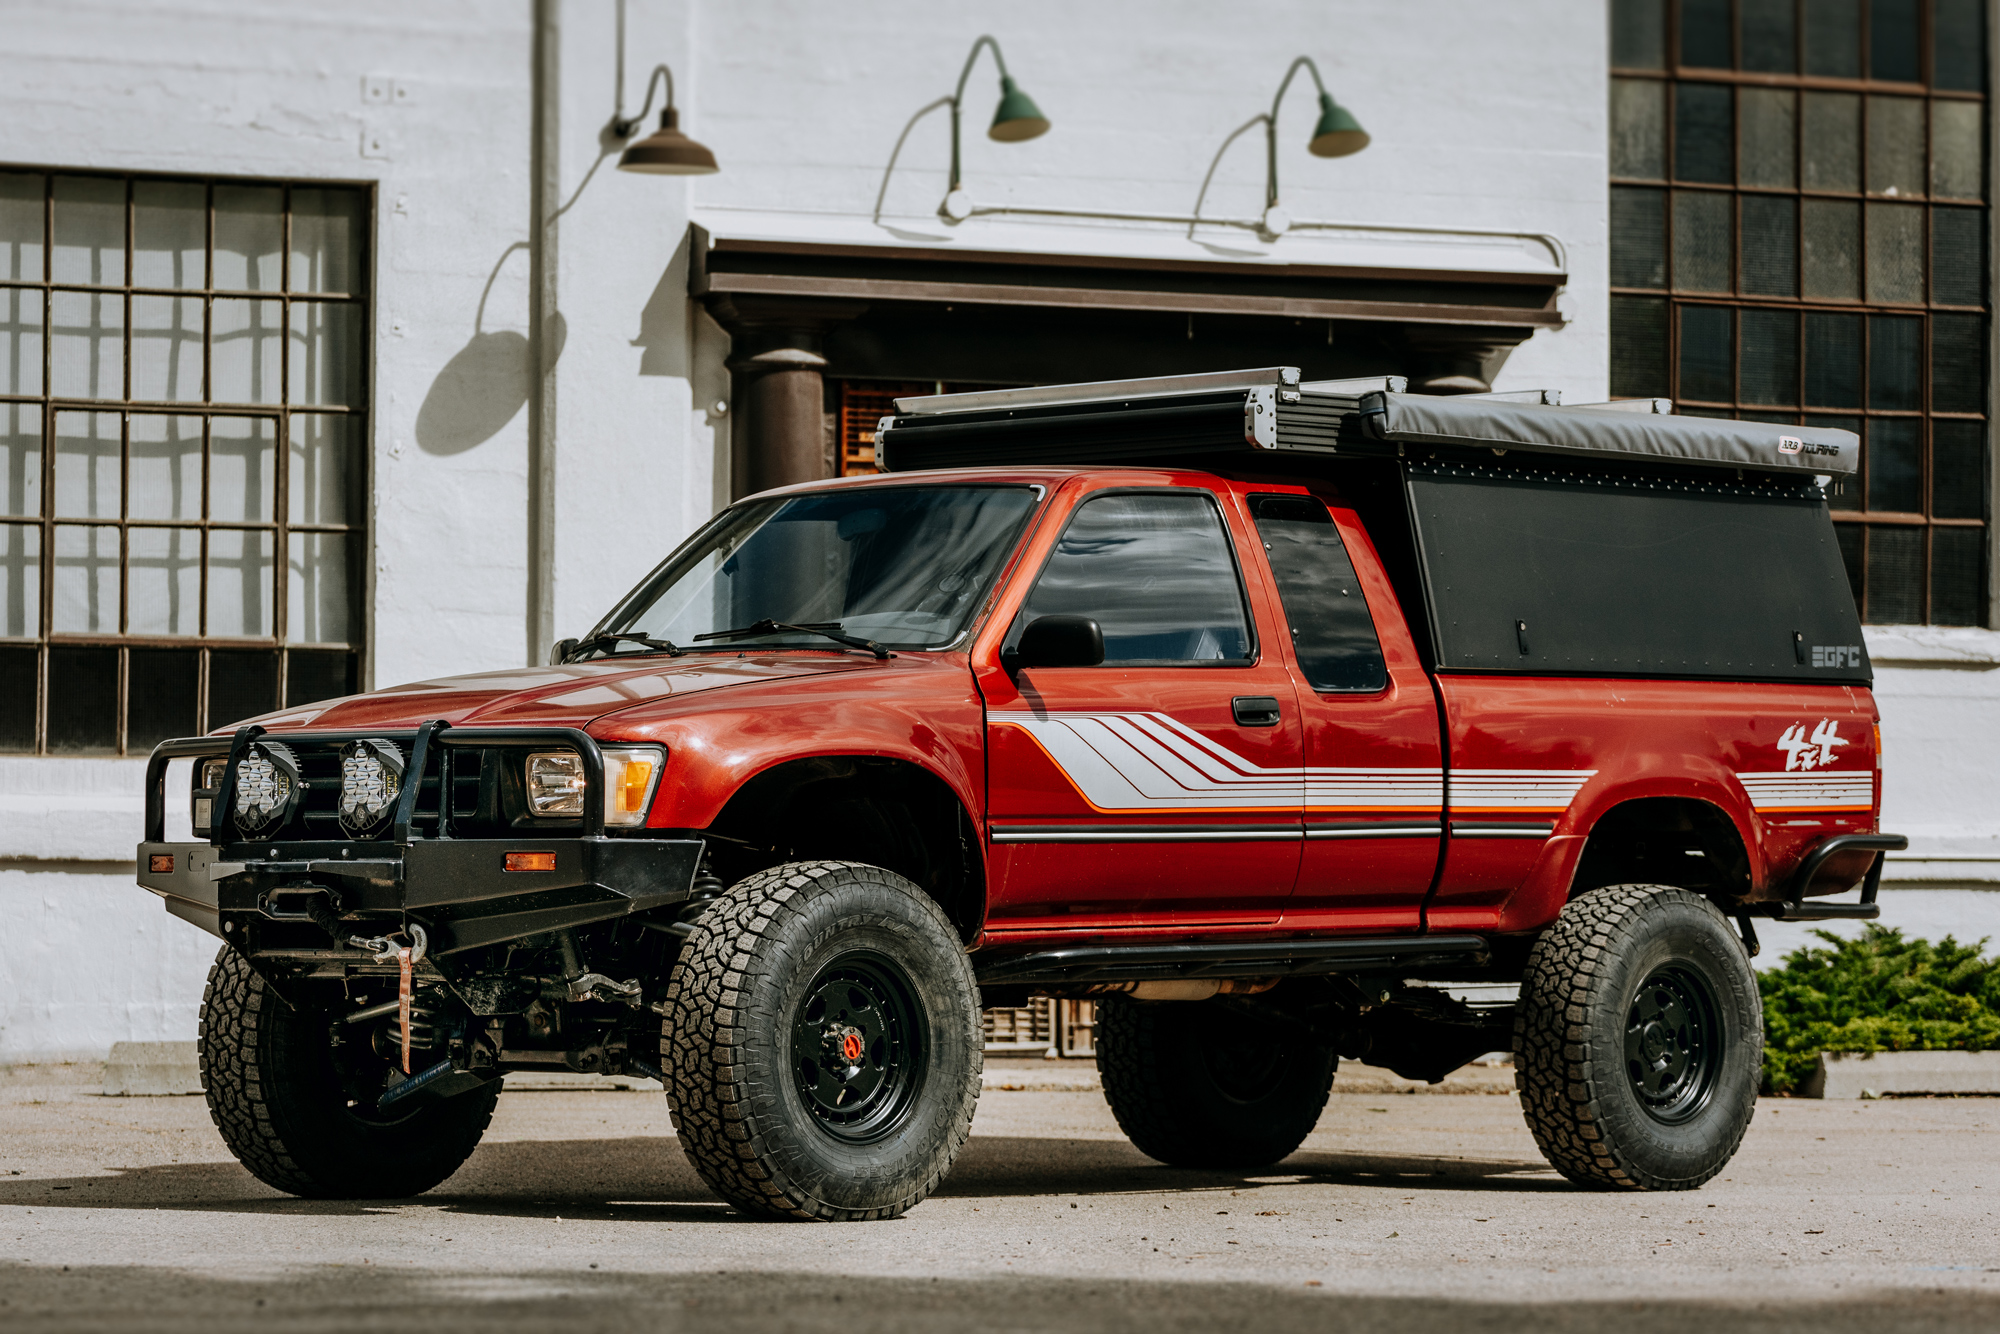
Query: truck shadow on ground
323	1297
643	1178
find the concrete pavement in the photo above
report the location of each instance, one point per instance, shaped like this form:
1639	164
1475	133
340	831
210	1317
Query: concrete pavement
1402	1212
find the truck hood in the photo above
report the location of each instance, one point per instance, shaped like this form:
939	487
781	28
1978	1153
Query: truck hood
569	696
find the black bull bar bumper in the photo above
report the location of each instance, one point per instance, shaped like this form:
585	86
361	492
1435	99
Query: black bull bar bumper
457	889
264	897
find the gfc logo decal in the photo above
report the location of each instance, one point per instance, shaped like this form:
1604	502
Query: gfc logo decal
1810	752
1836	655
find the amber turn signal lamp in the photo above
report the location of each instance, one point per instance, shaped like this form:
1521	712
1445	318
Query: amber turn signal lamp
632	788
160	863
531	861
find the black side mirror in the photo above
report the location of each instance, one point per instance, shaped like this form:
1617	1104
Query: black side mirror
560	653
1060	641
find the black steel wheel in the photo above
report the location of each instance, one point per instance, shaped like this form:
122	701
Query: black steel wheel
1673	1043
857	1047
822	1043
1638	1042
1196	1084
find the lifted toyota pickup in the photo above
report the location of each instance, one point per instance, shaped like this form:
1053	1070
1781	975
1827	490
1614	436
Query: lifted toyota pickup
1268	714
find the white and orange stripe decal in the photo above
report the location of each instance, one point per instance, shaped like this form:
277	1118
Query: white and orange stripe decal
1139	762
1516	791
1149	762
1841	790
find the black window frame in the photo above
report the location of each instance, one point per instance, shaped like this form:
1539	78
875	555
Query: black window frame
216	657
1649	352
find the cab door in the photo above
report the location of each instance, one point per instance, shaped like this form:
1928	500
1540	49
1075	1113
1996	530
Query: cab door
1162	786
1373	767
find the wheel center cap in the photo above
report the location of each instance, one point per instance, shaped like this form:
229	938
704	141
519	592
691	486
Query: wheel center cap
845	1043
1653	1040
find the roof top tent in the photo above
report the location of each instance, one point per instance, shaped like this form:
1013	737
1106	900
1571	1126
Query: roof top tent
1527	537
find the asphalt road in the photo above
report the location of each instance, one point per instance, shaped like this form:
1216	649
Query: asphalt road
1402	1212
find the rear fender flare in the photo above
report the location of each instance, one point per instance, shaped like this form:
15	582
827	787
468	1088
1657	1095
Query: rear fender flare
1551	883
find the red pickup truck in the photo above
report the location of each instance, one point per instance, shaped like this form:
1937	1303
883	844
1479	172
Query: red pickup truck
1274	716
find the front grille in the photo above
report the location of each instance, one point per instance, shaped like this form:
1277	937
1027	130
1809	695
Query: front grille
485	783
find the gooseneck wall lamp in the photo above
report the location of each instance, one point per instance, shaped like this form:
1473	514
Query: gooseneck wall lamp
1016	120
666	151
1336	134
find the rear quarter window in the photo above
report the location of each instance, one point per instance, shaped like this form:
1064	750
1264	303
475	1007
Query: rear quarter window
1333	633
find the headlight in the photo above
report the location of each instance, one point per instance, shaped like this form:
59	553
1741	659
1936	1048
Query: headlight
207	778
555	783
267	787
631	775
371	778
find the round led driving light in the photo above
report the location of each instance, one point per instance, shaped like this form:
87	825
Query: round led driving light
267	789
371	778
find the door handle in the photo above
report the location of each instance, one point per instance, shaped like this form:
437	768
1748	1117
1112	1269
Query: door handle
1255	710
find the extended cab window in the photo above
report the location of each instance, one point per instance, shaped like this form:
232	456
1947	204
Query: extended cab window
1156	574
1332	632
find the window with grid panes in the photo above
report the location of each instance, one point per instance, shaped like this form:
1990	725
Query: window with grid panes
183	423
1798	234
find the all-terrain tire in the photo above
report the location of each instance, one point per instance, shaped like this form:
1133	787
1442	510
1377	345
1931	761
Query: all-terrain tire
1639	1038
273	1092
1197	1085
774	975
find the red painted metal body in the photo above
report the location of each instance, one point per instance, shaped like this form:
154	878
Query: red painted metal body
1489	786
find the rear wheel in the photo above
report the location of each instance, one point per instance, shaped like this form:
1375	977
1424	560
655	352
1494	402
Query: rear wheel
1196	1085
1638	1043
822	1043
279	1094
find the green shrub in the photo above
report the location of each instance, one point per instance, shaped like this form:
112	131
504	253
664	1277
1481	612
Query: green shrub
1879	992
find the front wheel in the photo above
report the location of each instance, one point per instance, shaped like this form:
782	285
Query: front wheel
1638	1043
822	1044
287	1109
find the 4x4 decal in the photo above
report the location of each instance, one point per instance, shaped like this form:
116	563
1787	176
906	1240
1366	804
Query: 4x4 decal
1811	752
1140	762
1796	788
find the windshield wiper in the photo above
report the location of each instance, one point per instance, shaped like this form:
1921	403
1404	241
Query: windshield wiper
612	640
824	629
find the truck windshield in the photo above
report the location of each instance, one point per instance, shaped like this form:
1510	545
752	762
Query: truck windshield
905	566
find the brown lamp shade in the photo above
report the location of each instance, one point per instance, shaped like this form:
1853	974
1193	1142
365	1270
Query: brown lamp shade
668	152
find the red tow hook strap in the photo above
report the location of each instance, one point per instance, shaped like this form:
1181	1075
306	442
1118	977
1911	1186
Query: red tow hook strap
403	1001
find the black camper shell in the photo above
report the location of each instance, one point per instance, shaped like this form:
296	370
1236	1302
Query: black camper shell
1524	537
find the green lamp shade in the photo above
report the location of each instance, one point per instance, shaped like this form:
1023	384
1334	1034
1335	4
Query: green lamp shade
668	152
1337	133
1017	117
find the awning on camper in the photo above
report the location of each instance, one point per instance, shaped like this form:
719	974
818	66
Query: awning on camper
1605	433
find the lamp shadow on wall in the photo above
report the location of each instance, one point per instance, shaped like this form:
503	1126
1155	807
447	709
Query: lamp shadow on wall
882	194
1214	163
486	383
